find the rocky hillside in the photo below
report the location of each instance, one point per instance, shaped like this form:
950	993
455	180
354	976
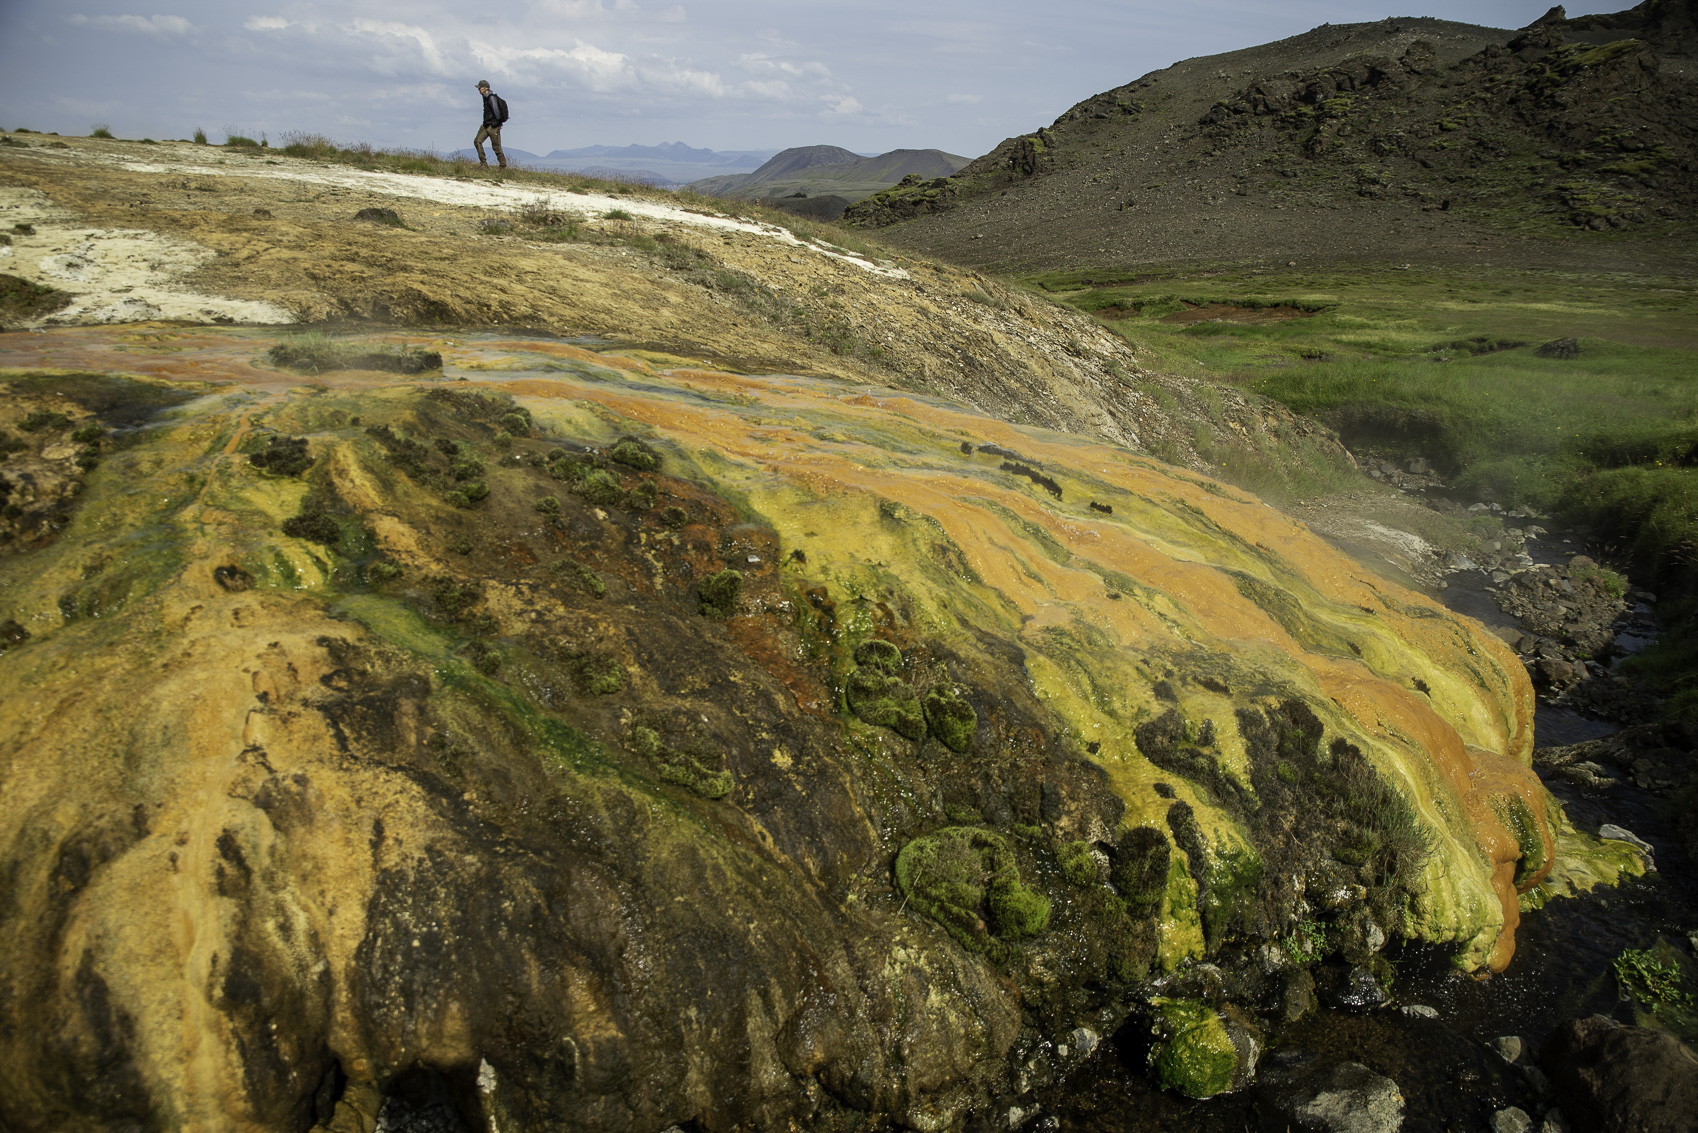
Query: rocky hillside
1406	138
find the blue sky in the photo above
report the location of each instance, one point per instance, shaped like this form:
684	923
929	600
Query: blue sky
869	75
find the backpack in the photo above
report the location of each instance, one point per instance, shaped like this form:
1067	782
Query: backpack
500	108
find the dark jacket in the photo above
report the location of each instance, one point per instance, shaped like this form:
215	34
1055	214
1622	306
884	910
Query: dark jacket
491	110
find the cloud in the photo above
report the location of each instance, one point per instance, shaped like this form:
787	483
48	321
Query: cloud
841	105
147	25
965	99
265	23
760	64
389	29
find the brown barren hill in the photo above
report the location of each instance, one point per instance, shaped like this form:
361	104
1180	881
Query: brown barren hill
1405	138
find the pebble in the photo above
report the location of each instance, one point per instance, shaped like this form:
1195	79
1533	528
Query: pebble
1420	1011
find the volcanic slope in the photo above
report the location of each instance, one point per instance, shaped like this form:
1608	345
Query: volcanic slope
1411	139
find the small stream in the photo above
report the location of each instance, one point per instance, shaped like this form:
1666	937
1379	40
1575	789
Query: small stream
1450	1076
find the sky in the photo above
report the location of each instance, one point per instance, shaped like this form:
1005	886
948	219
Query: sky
868	75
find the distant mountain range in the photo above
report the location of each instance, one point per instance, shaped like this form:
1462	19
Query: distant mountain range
818	181
666	165
828	178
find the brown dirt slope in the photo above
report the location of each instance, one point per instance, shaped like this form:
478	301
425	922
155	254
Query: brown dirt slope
1403	139
742	299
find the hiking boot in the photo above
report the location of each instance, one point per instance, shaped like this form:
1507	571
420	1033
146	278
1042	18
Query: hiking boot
483	162
503	162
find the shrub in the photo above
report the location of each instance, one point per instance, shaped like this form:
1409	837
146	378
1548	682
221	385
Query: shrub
1649	979
617	214
643	497
596	675
200	137
635	453
314	524
469	494
599	487
283	456
100	131
42	419
240	140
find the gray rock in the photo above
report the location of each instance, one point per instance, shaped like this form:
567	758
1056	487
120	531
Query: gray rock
1621	834
1563	348
1553	1122
1419	467
1508	1047
1420	1011
1511	1120
1348	1099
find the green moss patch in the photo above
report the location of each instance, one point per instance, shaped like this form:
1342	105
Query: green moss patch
878	694
966	879
951	719
718	593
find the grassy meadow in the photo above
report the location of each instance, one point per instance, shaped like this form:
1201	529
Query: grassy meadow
1443	364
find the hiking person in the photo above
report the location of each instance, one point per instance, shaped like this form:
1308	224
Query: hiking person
494	117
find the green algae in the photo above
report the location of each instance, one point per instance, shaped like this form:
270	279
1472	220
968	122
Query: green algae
1193	1053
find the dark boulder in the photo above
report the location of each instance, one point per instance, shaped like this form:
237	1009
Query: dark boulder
1618	1079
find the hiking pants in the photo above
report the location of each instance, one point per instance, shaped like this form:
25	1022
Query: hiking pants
493	133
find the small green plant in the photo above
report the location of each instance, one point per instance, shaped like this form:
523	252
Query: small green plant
100	131
1305	942
1652	981
240	140
200	137
381	572
1601	577
617	214
643	497
549	505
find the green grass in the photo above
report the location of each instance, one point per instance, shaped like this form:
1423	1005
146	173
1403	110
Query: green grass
100	131
1444	365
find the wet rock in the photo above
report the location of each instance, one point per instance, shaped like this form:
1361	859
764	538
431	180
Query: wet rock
1352	990
1614	1078
1509	1047
1622	834
1346	1097
1297	997
1420	1011
1511	1120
